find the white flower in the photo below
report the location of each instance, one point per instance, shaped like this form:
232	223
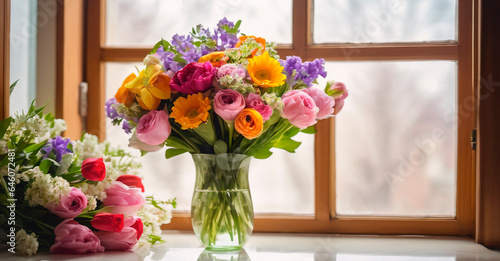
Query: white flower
26	245
88	147
3	147
44	189
135	143
152	218
91	204
151	59
58	128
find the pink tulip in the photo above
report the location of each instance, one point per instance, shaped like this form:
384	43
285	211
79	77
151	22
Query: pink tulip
254	101
124	199
70	205
228	104
324	102
299	109
339	92
73	238
153	128
118	241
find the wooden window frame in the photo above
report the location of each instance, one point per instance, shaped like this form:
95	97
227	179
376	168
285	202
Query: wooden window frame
5	57
302	45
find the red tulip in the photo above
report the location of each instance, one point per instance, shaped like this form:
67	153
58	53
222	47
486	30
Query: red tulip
131	181
139	227
94	169
108	222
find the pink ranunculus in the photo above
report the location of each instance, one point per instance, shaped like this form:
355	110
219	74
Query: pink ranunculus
324	102
70	205
118	241
299	109
193	78
73	238
228	104
254	101
153	128
232	70
123	199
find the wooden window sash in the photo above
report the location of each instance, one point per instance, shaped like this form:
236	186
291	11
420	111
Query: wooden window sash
323	221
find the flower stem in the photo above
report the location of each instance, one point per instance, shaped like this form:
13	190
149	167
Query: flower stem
188	141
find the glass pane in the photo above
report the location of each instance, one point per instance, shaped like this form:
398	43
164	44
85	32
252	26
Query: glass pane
396	138
284	183
361	21
23	30
143	23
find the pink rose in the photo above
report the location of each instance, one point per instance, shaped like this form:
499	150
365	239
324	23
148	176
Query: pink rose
231	70
254	101
153	128
124	199
135	143
118	241
73	238
339	92
228	104
299	109
324	102
193	78
70	205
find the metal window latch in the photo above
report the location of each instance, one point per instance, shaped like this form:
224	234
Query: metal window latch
473	139
82	109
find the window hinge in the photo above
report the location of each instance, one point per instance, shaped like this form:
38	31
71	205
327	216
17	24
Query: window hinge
473	139
82	110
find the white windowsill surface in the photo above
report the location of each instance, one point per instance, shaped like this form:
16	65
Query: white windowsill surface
184	246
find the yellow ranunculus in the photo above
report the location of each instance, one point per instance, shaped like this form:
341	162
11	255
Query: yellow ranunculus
249	123
215	58
265	71
150	87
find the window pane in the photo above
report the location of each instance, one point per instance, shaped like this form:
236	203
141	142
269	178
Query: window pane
143	23
361	21
396	138
284	183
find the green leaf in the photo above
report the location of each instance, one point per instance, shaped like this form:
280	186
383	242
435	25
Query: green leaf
309	130
45	165
35	147
4	124
12	86
178	143
169	153
287	144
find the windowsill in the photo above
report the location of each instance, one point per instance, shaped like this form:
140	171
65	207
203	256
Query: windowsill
262	246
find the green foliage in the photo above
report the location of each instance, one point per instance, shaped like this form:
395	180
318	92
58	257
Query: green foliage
169	153
13	86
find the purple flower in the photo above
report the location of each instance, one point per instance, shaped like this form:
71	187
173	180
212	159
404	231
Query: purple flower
168	60
307	72
110	108
126	127
58	146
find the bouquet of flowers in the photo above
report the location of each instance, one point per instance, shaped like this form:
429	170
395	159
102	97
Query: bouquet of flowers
216	92
71	196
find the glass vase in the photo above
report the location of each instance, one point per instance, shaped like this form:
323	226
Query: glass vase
221	208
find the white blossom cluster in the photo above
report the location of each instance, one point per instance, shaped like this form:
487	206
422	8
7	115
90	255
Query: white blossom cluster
152	218
87	147
26	244
44	189
58	128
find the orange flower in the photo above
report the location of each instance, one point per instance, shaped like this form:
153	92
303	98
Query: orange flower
191	112
247	38
123	95
249	123
150	87
215	58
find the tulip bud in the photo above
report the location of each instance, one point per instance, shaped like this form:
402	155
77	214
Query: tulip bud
94	169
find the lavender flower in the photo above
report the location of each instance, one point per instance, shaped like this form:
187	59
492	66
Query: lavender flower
306	72
109	106
126	127
227	39
58	146
168	60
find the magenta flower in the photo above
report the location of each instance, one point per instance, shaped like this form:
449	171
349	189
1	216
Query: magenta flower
194	78
73	238
254	101
71	205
